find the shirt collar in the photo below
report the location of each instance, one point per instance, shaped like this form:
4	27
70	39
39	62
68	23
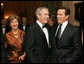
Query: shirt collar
23	24
65	23
39	23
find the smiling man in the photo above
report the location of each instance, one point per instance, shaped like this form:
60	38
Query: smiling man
36	41
66	40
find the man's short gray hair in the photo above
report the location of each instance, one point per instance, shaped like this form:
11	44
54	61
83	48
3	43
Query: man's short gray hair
38	10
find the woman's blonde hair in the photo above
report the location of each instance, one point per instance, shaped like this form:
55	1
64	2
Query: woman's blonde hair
11	18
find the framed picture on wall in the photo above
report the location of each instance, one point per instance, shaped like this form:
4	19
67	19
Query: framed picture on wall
79	11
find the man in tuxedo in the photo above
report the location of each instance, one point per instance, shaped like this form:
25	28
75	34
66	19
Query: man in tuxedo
36	40
24	24
4	27
66	44
4	30
3	50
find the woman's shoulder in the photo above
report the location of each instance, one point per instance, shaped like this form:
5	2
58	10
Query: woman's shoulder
8	33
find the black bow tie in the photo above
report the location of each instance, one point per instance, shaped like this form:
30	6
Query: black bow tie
44	26
24	25
3	27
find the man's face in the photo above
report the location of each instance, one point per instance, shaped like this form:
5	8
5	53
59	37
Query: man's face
50	22
61	17
3	22
24	20
44	16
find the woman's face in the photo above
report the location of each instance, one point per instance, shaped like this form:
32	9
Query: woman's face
14	24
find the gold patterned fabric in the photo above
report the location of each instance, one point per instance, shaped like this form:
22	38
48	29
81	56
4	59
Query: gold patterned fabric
14	46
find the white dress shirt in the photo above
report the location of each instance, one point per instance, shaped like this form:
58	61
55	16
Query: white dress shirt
3	30
45	31
62	27
24	27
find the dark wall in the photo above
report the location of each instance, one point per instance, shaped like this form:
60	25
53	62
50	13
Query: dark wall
2	11
53	7
79	13
28	8
21	8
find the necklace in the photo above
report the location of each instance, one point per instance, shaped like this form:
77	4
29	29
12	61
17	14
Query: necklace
16	34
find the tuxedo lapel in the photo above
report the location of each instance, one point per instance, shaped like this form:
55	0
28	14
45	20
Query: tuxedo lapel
40	31
65	31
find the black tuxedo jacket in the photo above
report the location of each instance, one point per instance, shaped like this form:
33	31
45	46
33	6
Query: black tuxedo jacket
21	27
36	45
3	50
7	29
69	48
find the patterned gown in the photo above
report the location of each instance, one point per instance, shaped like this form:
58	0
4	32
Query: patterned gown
14	46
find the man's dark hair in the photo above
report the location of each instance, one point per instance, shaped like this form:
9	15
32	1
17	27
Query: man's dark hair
67	10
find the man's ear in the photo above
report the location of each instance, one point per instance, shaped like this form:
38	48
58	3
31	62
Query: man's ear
67	16
38	15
